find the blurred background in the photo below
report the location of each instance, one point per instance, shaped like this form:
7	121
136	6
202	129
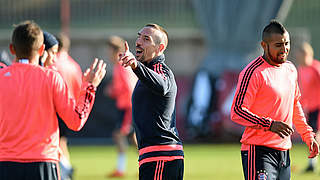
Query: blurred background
210	41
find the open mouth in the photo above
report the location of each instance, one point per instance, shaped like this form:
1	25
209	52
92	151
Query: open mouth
139	51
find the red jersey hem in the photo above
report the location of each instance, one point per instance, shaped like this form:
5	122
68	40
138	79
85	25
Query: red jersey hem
246	147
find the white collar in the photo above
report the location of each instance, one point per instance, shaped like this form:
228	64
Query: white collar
24	61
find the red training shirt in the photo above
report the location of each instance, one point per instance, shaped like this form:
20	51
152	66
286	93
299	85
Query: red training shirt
30	98
309	83
267	93
70	72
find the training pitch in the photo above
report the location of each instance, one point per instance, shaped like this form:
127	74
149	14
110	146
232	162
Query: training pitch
202	162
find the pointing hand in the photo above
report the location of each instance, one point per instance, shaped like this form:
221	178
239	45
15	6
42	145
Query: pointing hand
127	58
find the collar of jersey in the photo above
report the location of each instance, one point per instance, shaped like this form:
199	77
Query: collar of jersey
157	59
24	61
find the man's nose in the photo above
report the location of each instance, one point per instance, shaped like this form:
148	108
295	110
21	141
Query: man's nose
138	42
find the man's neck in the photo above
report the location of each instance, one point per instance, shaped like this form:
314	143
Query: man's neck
269	61
156	57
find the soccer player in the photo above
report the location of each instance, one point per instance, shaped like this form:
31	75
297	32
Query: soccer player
121	88
69	69
31	96
153	105
71	73
309	83
50	50
267	103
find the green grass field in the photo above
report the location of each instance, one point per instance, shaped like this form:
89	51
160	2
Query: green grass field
202	162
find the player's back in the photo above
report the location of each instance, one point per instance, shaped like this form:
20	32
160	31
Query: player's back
28	124
70	71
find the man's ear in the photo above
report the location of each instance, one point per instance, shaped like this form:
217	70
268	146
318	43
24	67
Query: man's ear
263	45
41	50
12	50
161	48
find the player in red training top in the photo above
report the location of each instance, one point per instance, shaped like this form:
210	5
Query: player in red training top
309	83
121	88
72	74
69	69
30	100
267	103
48	58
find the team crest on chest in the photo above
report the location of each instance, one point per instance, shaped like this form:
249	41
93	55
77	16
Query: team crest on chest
262	175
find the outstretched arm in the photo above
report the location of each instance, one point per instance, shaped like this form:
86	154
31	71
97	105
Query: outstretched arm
158	80
305	130
75	112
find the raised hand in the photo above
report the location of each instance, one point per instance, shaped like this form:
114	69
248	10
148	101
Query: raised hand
95	73
281	128
127	58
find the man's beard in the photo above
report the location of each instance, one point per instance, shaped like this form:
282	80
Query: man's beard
141	59
276	59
